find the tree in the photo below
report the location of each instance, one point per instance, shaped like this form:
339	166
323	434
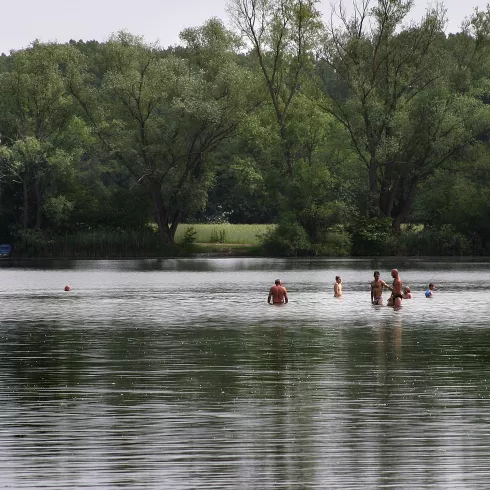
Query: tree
390	87
36	113
163	115
282	35
455	197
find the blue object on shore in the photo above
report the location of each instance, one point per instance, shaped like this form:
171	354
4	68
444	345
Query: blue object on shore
5	250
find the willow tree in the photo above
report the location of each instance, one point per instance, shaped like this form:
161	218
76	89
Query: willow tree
390	86
36	116
282	36
162	115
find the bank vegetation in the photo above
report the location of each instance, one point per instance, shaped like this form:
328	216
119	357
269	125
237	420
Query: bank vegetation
276	131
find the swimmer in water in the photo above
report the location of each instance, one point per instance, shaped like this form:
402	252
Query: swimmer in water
432	287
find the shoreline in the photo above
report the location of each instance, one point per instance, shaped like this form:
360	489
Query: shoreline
243	254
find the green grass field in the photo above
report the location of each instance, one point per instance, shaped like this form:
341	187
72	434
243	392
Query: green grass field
224	233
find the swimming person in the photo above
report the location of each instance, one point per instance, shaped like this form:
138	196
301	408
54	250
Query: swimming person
278	294
377	289
428	293
337	287
407	293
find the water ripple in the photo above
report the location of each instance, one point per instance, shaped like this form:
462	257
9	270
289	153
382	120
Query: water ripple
177	374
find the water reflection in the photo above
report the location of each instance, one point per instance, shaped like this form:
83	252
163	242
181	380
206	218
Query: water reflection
172	376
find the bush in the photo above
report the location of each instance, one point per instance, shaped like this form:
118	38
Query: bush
336	243
437	241
189	237
374	237
217	236
30	242
288	238
187	244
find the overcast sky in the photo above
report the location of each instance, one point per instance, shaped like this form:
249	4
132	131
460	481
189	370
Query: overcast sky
62	20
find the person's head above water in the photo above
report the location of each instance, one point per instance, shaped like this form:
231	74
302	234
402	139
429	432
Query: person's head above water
338	279
406	290
376	274
428	293
394	273
277	282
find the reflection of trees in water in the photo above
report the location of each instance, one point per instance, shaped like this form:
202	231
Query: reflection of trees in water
389	339
407	413
281	376
47	407
289	403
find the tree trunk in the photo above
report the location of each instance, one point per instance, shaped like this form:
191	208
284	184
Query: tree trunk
402	214
389	189
402	210
165	228
287	150
39	205
387	198
25	219
373	189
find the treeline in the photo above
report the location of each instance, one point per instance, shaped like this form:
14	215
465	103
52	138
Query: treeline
362	134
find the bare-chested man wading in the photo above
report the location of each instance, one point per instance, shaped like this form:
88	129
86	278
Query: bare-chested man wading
397	294
277	294
377	289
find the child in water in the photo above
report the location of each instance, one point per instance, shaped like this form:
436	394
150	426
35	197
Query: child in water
428	293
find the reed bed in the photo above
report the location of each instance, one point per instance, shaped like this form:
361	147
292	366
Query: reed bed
102	244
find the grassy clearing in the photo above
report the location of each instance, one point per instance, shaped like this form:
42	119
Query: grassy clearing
224	233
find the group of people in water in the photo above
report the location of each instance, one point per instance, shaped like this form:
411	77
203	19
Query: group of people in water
279	295
398	292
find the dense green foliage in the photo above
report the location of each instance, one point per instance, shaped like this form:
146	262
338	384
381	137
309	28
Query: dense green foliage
367	135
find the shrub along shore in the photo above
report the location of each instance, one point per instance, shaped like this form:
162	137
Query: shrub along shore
226	239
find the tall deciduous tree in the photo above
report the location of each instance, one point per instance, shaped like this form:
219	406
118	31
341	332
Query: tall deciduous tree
36	112
164	115
282	35
390	86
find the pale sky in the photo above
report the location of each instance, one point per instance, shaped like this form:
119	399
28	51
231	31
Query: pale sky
162	20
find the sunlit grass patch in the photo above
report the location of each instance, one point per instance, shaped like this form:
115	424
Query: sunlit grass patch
223	233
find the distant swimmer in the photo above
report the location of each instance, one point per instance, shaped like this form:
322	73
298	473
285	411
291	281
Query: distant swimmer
277	294
407	293
432	287
377	289
397	292
337	287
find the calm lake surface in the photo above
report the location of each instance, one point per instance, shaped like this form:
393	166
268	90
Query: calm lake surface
176	374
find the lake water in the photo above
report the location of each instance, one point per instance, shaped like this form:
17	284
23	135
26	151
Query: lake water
176	374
